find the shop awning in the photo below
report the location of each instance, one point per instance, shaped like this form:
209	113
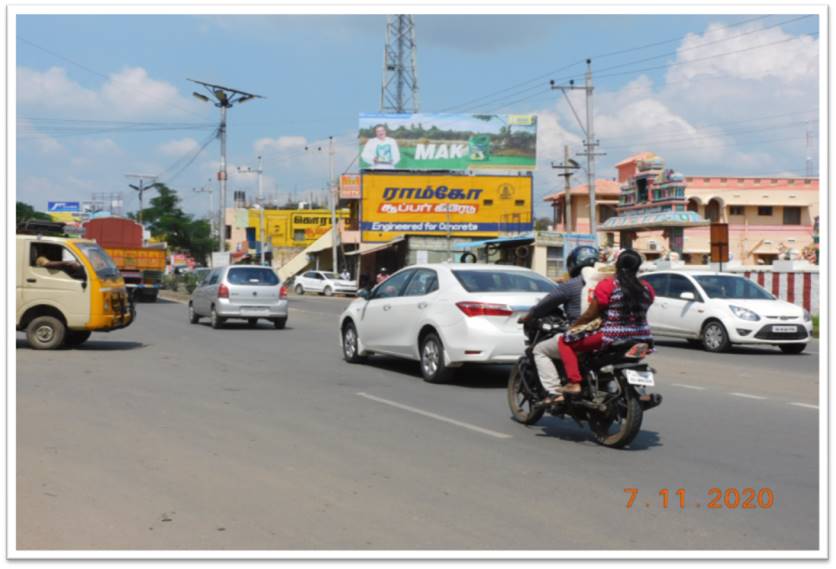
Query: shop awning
528	237
368	248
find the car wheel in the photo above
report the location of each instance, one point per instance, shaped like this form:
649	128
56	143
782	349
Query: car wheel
351	347
328	291
792	348
714	337
252	322
279	323
216	321
300	290
76	338
45	333
433	367
193	317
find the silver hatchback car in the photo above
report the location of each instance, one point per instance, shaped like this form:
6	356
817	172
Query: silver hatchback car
242	292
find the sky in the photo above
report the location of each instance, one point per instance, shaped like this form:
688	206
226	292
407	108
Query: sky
98	97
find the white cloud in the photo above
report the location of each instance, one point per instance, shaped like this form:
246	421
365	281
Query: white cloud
179	147
127	94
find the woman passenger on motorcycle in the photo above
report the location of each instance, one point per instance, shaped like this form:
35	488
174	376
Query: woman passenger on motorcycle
622	301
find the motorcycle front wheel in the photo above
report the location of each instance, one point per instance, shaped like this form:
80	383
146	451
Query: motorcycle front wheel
523	409
621	427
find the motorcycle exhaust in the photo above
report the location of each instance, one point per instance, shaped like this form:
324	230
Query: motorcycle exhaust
655	401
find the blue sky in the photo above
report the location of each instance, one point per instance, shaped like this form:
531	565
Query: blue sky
739	100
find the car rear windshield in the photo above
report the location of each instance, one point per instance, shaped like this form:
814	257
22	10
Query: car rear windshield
503	281
252	276
722	286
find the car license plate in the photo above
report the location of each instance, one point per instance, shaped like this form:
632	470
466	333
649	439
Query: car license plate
785	329
643	378
255	310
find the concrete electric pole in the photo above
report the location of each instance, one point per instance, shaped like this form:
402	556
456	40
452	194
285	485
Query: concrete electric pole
568	168
226	98
260	201
589	141
212	216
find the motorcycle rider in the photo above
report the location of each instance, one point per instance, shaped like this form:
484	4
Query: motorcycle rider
568	296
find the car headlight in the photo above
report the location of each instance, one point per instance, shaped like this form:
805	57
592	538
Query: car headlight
744	313
807	316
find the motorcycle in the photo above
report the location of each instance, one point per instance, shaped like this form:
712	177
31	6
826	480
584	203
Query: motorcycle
612	399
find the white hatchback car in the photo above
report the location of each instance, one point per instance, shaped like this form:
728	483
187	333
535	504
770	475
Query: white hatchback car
721	309
323	282
444	315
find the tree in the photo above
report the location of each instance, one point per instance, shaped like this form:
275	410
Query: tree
25	212
167	221
542	224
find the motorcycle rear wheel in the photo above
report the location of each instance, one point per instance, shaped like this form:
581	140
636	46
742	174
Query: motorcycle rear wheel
523	409
620	431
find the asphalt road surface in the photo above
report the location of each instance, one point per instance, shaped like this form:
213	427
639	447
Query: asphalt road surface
167	435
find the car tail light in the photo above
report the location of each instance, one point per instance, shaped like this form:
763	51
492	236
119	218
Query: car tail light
484	309
638	351
223	291
283	292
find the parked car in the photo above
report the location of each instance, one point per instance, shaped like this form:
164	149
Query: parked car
240	292
720	309
323	282
443	315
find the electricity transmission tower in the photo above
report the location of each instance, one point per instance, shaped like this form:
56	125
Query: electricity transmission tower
399	91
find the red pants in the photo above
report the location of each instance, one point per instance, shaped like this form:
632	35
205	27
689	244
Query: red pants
569	354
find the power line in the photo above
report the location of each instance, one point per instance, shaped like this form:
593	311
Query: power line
594	57
102	75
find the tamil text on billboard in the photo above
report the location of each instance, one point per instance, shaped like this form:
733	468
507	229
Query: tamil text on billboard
443	204
447	142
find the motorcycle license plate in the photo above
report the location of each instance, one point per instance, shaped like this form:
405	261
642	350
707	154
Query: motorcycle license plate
785	329
643	378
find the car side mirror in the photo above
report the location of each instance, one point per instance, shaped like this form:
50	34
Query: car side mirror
363	293
688	296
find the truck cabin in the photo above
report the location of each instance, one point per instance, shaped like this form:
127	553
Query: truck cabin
56	257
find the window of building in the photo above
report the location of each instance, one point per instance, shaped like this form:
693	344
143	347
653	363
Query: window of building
298	234
808	181
229	232
792	216
736	210
706	179
689	179
519	202
554	262
774	180
488	202
765	211
723	180
740	180
757	180
712	211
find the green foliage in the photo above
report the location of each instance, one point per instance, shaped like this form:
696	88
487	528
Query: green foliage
542	224
167	221
190	282
170	282
26	212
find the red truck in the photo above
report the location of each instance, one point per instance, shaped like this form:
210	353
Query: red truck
142	267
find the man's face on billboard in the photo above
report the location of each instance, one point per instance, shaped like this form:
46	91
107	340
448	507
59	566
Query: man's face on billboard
380	132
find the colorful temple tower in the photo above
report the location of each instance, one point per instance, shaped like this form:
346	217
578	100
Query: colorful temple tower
652	197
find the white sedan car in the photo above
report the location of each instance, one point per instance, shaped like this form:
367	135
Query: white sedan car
323	282
720	309
444	315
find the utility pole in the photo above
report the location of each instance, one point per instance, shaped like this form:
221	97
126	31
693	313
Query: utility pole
260	201
226	98
568	166
210	191
332	191
590	143
142	188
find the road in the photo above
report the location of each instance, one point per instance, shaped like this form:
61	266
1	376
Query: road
171	436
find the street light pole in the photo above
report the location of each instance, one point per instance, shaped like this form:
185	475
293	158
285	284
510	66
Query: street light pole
226	98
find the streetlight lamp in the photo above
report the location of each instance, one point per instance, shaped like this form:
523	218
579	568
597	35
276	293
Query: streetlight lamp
335	234
225	98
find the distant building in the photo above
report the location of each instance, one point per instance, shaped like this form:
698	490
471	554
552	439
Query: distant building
767	215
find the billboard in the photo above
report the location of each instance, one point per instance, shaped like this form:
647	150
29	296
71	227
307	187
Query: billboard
455	142
442	204
63	207
350	186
